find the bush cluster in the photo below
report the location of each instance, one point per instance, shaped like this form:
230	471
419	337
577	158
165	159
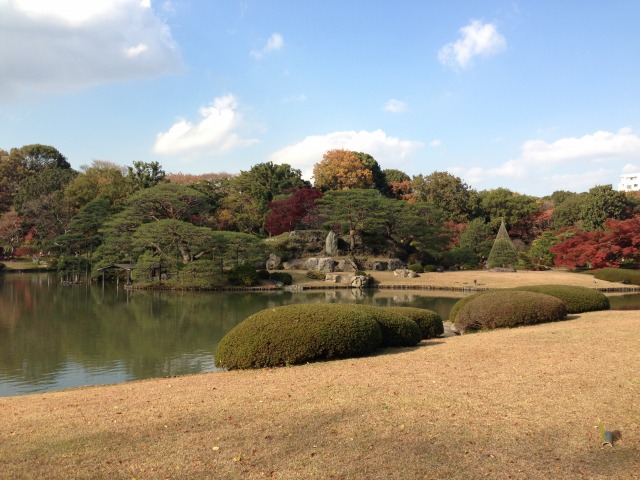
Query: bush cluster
282	277
622	275
243	275
199	274
416	267
429	322
295	334
453	313
508	308
315	275
398	330
577	299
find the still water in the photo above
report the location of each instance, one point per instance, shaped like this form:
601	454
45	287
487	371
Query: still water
54	337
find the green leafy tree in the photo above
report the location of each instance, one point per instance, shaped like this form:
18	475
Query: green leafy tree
145	175
455	198
45	218
169	238
41	183
540	251
357	211
603	202
100	180
83	233
378	175
395	175
567	213
502	203
478	237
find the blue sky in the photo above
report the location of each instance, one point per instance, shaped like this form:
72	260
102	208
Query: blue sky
534	96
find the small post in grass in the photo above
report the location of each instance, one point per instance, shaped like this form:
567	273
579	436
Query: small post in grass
605	435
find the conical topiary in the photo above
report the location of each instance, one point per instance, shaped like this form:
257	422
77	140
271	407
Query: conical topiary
503	253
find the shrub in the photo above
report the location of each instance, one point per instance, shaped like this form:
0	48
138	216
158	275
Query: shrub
397	330
453	313
315	275
243	275
295	334
509	308
282	277
416	267
618	275
577	299
429	268
199	274
263	274
428	321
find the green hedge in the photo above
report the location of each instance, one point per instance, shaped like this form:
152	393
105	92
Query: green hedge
508	308
398	330
429	322
243	275
315	275
295	334
282	277
621	275
577	299
453	313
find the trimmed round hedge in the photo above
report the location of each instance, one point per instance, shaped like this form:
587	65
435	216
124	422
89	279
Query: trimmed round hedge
429	322
621	275
398	330
295	334
577	299
453	313
509	308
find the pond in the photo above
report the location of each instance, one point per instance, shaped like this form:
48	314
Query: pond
54	337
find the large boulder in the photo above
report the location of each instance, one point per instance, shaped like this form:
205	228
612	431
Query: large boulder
325	264
273	261
331	244
404	273
336	278
359	281
295	264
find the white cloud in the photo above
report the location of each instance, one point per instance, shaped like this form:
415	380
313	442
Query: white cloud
630	168
274	42
68	44
435	143
388	151
395	106
477	39
565	164
215	132
598	146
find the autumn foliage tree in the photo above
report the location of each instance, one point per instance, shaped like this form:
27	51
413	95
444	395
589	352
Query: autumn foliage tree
342	170
286	214
619	241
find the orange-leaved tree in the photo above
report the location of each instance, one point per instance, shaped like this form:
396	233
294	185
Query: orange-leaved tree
342	170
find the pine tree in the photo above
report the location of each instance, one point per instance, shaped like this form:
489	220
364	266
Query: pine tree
503	253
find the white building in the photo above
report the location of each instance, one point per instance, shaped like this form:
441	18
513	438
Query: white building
629	182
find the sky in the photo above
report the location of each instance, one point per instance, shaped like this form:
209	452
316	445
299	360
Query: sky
534	96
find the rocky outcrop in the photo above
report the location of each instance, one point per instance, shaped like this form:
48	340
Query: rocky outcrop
405	273
273	261
325	264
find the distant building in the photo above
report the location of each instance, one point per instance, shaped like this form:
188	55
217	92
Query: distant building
629	182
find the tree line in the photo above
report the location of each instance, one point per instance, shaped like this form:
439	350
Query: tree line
106	213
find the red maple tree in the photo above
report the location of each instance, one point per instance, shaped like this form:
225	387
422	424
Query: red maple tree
286	214
619	241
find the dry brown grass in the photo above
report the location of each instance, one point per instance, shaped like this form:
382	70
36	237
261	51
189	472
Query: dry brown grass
520	404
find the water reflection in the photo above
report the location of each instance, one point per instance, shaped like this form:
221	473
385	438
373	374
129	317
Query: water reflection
54	337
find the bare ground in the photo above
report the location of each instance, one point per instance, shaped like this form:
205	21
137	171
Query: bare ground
520	403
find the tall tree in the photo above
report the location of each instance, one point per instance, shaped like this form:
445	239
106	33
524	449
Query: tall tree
502	203
355	211
83	233
41	183
378	175
99	180
603	202
567	212
145	175
342	170
288	213
455	198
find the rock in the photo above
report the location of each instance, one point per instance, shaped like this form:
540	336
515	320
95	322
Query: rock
379	266
325	264
335	278
405	273
331	244
295	264
346	265
359	281
273	261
